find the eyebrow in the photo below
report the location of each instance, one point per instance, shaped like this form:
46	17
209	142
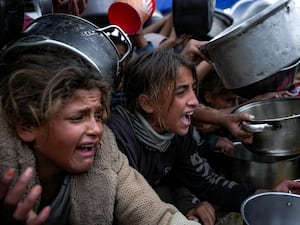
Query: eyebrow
88	108
181	86
185	85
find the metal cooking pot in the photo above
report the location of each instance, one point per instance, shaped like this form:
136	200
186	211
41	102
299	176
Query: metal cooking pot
76	35
193	17
276	126
271	208
258	47
261	171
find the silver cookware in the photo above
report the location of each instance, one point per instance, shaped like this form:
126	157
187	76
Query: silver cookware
276	126
257	48
65	32
262	171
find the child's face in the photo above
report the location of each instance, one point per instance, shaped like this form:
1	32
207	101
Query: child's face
176	115
69	141
226	100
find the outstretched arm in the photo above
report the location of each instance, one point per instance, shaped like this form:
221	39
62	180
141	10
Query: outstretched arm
232	122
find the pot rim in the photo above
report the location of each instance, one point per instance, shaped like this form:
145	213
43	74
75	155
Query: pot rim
37	36
45	41
246	106
286	195
96	29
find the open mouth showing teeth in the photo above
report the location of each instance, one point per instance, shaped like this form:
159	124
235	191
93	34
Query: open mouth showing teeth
87	147
186	118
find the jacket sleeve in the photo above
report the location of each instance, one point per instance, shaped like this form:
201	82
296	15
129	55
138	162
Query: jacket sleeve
195	172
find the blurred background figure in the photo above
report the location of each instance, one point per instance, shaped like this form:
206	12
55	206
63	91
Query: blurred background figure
11	19
16	15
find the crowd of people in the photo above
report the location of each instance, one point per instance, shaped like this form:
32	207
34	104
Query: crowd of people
74	152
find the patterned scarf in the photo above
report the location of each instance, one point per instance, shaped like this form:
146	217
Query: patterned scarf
145	133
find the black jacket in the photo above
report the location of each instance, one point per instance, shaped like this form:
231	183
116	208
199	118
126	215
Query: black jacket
181	161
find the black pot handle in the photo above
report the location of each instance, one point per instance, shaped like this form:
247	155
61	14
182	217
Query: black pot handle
117	32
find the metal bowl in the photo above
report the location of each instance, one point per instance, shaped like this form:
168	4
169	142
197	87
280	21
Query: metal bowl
271	208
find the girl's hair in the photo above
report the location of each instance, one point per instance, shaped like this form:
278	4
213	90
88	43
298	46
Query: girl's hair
154	74
37	83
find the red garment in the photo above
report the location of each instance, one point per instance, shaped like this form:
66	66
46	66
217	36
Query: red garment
27	21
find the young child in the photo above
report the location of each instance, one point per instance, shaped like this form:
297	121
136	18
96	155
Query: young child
59	162
212	93
154	130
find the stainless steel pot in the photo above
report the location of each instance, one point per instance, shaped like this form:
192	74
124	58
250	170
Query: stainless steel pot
276	126
258	47
261	171
271	208
66	32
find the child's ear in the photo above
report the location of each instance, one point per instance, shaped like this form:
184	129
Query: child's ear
145	103
207	97
25	131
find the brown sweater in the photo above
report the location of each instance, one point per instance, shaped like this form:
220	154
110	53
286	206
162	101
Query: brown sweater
111	189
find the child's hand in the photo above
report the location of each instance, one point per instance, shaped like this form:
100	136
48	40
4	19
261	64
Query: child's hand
14	210
226	145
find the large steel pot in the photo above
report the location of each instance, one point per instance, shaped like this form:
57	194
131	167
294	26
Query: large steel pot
261	171
258	47
66	32
276	126
271	208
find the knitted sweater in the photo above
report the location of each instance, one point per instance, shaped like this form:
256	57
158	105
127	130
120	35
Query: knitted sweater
110	190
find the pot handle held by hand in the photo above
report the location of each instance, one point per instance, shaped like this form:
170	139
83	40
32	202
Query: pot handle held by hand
204	51
260	127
